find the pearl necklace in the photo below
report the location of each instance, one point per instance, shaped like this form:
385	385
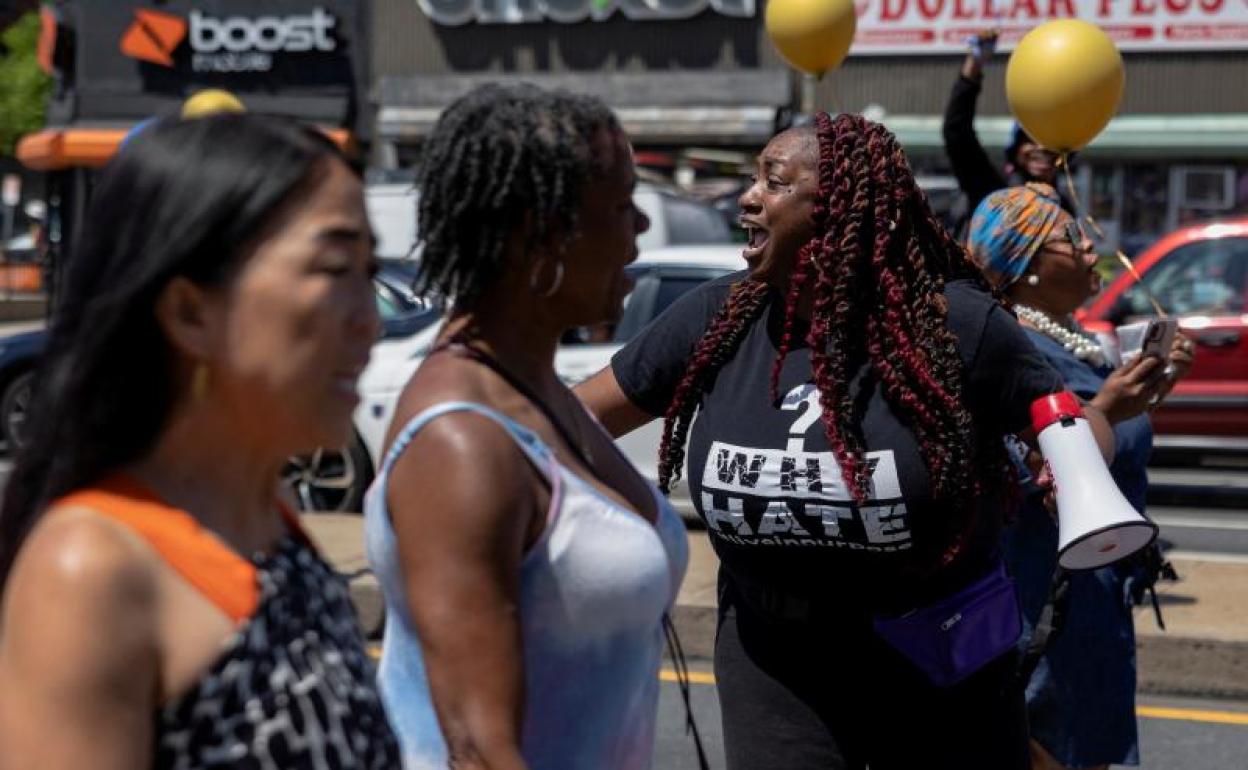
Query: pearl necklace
1083	346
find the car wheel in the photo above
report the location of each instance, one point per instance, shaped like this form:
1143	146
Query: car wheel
14	407
330	480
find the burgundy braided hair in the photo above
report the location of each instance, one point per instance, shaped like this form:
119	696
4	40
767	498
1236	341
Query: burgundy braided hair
876	269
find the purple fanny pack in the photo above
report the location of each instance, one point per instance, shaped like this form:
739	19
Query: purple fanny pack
960	634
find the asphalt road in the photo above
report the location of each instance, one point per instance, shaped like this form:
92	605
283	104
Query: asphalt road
1175	734
1209	533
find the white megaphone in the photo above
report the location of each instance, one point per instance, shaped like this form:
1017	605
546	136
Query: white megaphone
1096	524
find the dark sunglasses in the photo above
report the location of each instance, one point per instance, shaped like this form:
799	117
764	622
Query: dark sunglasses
1073	234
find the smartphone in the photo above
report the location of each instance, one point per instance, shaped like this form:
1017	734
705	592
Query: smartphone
1150	338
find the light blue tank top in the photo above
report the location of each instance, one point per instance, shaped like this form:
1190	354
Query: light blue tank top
593	591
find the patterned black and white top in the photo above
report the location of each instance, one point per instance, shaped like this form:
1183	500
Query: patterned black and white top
293	688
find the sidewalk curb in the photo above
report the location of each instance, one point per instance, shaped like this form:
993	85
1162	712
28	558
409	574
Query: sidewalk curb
1202	668
1168	665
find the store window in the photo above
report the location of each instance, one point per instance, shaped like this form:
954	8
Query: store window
1104	202
1241	191
1145	189
1201	193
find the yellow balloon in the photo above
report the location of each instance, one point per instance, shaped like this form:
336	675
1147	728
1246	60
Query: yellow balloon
1064	82
812	35
210	101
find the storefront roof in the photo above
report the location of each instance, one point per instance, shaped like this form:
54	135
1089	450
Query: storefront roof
655	125
724	107
1129	136
59	148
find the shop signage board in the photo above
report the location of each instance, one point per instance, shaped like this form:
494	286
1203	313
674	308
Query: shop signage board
133	59
224	43
227	42
454	13
943	26
891	27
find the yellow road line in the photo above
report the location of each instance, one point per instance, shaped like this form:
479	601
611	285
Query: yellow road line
695	677
1148	712
1193	715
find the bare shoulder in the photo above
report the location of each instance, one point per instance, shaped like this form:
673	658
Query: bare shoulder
80	570
83	552
464	460
462	466
438	380
79	653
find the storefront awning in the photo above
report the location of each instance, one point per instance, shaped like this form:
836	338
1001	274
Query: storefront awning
1129	136
655	125
54	149
722	107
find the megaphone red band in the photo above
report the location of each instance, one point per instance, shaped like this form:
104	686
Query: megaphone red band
1049	409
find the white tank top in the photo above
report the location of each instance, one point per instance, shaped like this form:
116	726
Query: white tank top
593	592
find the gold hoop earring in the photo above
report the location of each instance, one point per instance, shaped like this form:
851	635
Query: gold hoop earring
554	287
199	382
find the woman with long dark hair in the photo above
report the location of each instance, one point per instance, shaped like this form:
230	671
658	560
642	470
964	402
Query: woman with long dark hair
851	390
162	608
527	567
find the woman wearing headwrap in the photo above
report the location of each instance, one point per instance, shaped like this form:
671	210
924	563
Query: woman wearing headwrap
1081	697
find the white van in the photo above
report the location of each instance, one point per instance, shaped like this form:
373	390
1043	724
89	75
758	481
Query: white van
392	209
675	219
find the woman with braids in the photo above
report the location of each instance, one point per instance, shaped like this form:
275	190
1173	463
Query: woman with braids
852	390
1081	698
527	568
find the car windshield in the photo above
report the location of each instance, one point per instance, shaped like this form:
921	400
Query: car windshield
654	290
1204	277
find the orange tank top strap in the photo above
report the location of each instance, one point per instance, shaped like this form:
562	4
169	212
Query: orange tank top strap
222	576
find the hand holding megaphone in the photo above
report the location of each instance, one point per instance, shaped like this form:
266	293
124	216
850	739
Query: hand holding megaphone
1096	524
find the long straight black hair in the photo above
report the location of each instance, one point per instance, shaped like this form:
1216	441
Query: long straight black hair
182	198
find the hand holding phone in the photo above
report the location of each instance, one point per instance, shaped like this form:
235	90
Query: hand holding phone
1154	337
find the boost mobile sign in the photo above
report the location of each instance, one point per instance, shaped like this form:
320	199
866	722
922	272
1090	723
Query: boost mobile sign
239	43
453	13
227	43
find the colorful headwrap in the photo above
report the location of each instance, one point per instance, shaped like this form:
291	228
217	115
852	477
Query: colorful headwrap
1009	227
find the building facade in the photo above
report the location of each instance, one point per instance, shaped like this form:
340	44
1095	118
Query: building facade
118	64
700	80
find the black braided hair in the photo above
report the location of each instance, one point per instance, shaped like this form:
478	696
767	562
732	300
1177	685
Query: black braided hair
496	156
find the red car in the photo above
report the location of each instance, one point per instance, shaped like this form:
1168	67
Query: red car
1200	276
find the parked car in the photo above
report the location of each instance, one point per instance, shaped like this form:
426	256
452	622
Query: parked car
325	480
676	219
660	276
19	355
1199	275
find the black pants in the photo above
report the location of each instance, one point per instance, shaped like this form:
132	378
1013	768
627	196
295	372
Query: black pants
830	695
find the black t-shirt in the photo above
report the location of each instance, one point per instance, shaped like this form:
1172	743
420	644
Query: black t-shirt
763	478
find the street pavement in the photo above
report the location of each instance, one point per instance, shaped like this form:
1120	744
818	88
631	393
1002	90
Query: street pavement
1175	734
1202	653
